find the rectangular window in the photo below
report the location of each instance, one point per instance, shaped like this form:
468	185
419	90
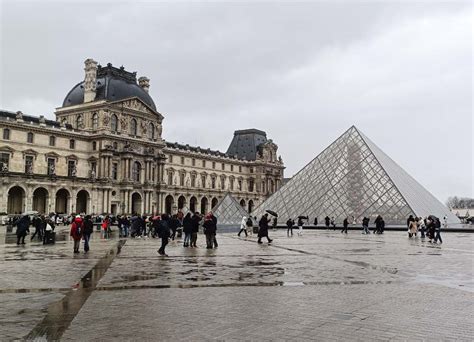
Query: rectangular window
181	179
203	163
182	160
223	166
232	168
213	182
203	181
193	162
240	168
4	161
251	170
170	178
231	184
72	144
71	168
29	164
29	138
251	184
52	141
153	170
213	165
171	158
240	185
51	166
114	171
193	180
94	146
6	133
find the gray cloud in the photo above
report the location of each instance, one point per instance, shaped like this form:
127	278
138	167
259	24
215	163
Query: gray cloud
303	72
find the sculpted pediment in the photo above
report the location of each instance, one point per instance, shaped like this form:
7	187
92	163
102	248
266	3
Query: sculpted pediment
136	103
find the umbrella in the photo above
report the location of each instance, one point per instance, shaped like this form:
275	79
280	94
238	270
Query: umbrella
303	217
271	212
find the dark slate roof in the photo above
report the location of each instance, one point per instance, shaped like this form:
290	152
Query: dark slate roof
112	84
28	118
245	143
197	149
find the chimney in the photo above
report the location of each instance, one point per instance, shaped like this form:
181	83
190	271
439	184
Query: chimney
90	80
144	82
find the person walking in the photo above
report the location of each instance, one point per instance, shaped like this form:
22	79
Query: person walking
243	227
22	228
106	227
365	225
48	236
422	226
88	230
290	223
345	224
76	232
300	226
377	229
315	221
333	223
437	226
274	223
164	230
249	226
412	228
174	224
410	219
210	228
263	229
38	223
196	219
187	229
327	221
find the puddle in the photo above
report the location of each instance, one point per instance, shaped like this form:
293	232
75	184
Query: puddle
60	314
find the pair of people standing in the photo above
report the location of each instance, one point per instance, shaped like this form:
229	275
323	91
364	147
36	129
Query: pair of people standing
246	224
81	229
210	229
191	229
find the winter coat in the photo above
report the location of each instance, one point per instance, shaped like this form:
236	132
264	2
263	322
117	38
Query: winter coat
263	227
195	219
77	229
210	225
174	223
137	223
327	220
88	226
345	223
164	229
23	225
188	224
243	223
290	223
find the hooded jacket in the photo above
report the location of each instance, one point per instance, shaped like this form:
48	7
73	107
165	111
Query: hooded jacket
77	229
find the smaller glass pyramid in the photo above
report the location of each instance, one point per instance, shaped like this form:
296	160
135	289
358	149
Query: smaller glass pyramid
352	177
229	212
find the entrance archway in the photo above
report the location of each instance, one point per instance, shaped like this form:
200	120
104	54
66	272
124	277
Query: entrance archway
16	200
251	206
82	200
242	203
214	202
204	203
192	204
169	201
40	199
136	203
62	199
181	202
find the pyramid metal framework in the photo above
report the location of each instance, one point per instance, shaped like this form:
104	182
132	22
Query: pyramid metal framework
229	212
353	177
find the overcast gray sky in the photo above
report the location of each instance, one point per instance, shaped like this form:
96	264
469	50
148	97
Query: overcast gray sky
303	72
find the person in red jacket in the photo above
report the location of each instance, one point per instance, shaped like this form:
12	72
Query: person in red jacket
77	232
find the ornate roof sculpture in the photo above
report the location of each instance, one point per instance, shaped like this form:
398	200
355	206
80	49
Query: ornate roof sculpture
229	212
353	177
111	84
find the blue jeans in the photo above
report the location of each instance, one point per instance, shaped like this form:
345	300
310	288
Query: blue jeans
87	237
187	238
124	229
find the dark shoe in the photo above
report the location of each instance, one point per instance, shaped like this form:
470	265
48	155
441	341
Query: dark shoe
270	241
259	241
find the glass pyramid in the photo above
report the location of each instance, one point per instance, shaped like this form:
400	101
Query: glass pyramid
353	177
229	212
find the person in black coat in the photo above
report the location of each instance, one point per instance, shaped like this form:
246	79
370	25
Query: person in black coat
195	228
22	228
345	224
327	221
88	226
39	224
290	223
210	228
174	224
187	229
378	225
164	232
263	228
315	221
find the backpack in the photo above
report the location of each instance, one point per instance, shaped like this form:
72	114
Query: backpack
78	228
249	222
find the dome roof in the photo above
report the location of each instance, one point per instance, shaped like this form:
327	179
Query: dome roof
112	84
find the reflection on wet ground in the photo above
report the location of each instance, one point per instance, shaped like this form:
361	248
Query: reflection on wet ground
59	283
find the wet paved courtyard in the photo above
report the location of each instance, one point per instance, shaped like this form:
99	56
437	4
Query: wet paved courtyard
323	286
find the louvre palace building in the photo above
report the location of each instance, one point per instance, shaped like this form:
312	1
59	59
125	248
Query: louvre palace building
104	153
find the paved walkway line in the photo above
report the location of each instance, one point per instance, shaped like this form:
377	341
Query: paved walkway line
60	314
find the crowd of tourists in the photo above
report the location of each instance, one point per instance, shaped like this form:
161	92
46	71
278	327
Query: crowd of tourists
427	227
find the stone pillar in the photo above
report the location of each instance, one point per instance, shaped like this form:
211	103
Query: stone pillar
90	80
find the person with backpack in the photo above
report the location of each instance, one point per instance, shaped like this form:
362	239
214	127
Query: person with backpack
290	223
76	232
243	226
164	233
195	228
187	229
88	230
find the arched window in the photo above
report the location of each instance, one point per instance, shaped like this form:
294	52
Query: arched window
114	123
79	122
151	131
133	127
136	171
29	137
95	121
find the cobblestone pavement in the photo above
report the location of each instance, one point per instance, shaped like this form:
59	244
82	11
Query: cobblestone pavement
323	286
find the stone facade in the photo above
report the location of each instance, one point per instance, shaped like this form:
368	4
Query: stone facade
105	154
